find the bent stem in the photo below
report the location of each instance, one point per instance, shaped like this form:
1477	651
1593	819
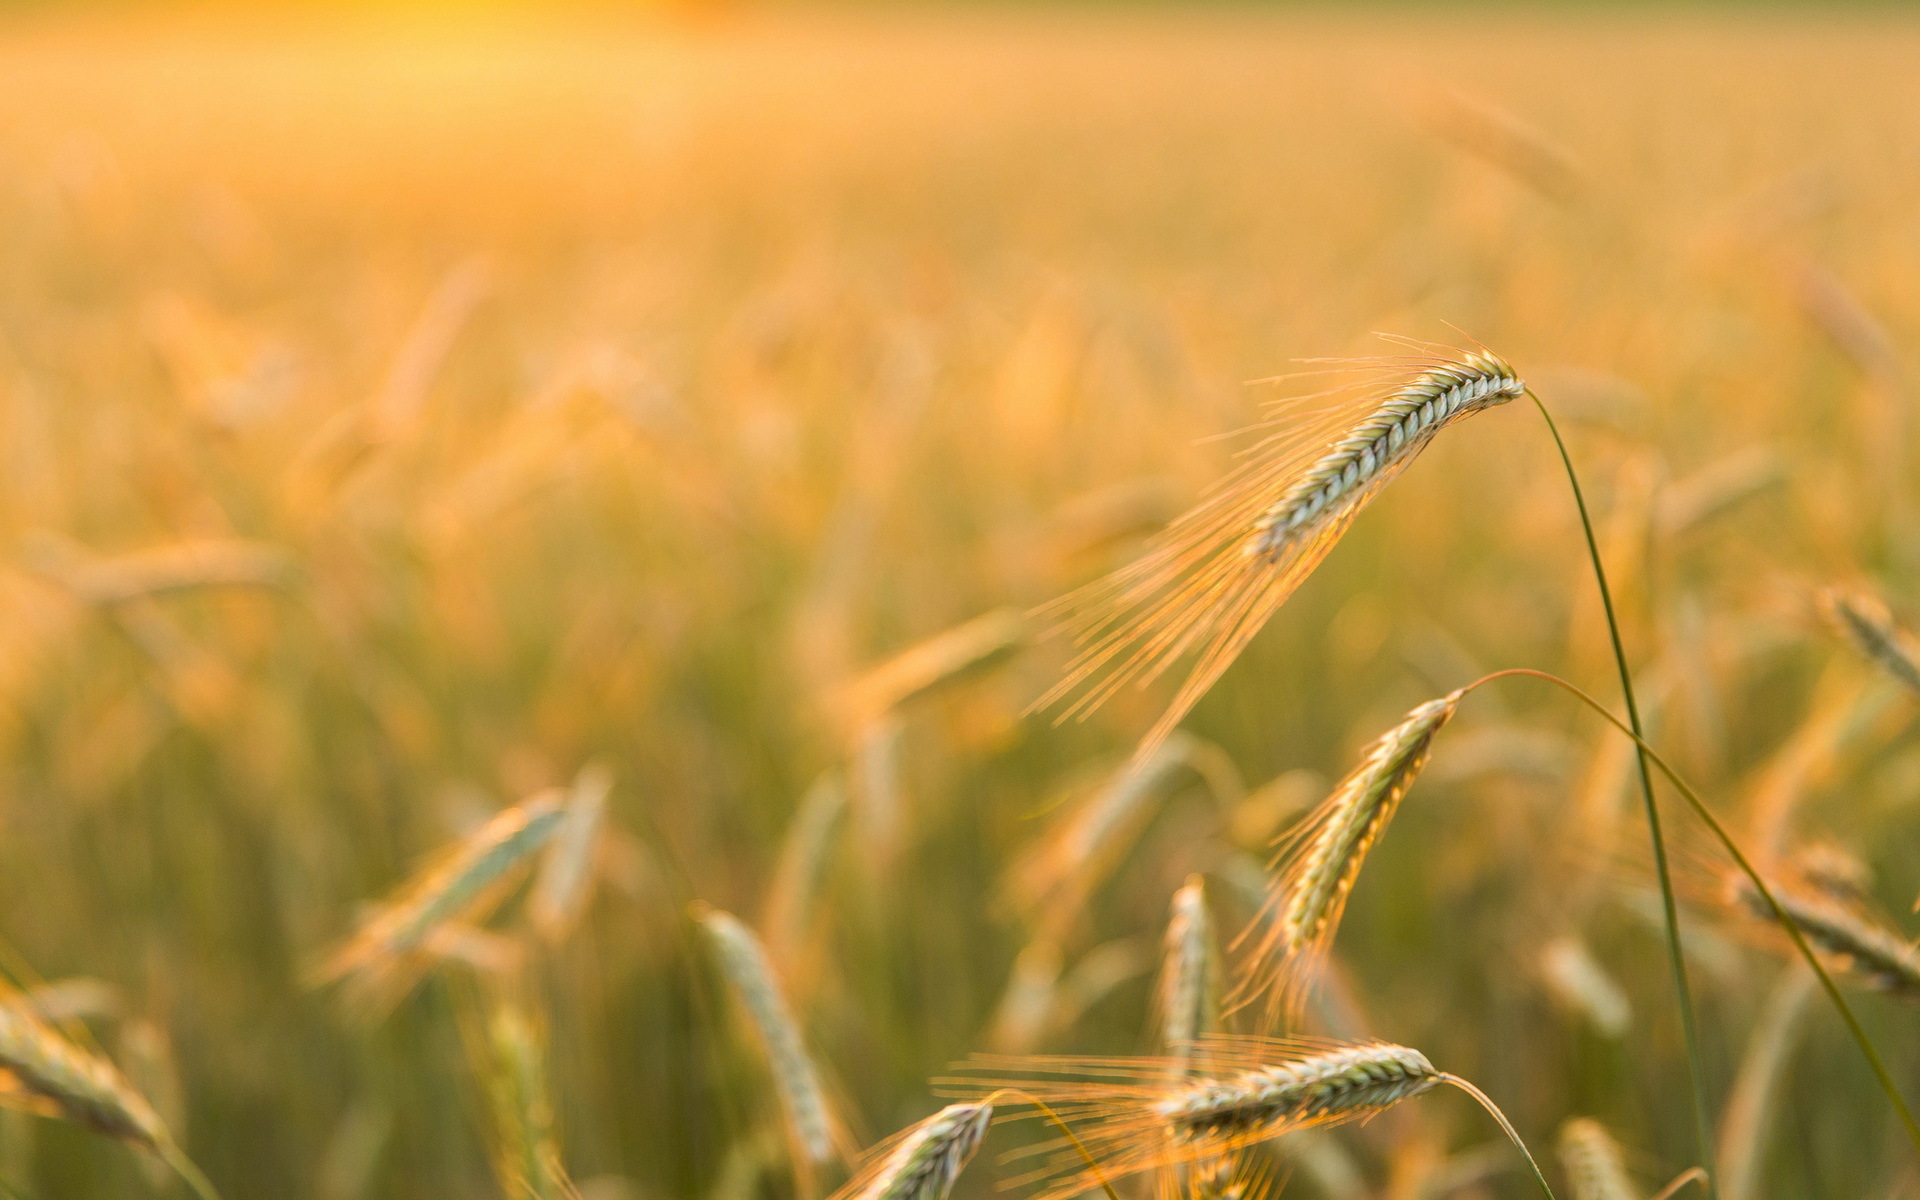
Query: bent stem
1060	1124
1506	1126
1690	1175
1676	961
1780	916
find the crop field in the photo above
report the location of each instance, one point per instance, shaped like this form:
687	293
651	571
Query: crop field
524	545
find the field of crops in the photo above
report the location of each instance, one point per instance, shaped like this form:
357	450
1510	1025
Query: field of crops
485	496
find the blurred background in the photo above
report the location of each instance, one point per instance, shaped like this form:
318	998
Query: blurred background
405	411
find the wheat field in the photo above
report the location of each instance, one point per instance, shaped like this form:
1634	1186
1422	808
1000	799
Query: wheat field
569	433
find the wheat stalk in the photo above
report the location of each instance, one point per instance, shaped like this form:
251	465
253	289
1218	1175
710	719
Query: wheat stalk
803	1100
1492	134
1833	870
383	959
805	854
1391	435
1077	854
1874	955
924	1162
1595	1167
1138	1114
84	1088
526	1155
565	885
1864	621
1757	1085
76	998
1215	575
1341	1085
936	663
1027	1005
1718	487
1190	978
1317	866
149	1064
1224	1178
176	567
1578	981
1133	1119
879	792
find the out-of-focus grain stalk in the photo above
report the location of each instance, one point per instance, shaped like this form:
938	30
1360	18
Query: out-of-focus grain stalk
803	1100
1756	1086
801	870
564	887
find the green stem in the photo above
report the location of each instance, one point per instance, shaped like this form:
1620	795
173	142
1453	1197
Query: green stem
1506	1126
183	1166
1676	962
1760	885
1058	1123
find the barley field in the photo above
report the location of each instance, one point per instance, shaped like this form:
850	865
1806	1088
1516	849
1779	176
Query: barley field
521	537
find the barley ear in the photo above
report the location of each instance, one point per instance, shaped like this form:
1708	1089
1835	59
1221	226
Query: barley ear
1314	873
923	1162
1864	622
390	951
564	887
84	1088
806	853
526	1152
811	1124
1593	1163
1862	947
1189	994
1213	578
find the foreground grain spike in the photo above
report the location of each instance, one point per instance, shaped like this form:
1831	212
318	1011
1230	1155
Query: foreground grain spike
82	1087
1864	621
1594	1165
1314	872
1336	1086
923	1162
810	1121
1133	1115
386	956
1866	950
1214	576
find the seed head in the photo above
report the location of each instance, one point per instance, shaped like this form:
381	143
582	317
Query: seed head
1214	576
926	1161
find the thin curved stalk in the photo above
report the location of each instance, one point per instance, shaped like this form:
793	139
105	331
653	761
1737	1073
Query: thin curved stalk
1676	961
1690	1175
1785	922
1506	1126
1060	1124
